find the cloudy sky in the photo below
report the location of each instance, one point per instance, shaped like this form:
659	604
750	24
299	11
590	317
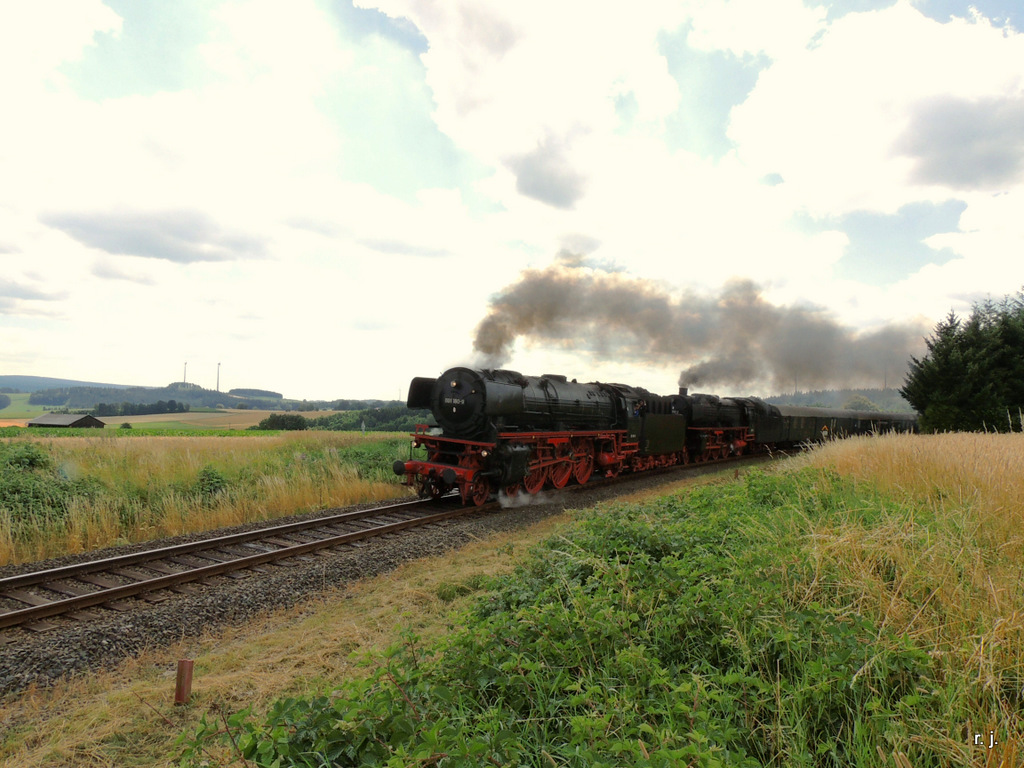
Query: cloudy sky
327	196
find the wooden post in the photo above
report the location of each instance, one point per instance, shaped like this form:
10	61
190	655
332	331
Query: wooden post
183	685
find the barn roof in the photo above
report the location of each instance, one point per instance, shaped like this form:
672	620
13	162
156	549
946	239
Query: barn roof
65	420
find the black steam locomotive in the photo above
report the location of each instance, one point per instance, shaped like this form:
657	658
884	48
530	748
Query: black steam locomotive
498	430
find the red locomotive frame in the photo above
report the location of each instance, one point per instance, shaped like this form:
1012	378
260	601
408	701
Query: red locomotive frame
556	458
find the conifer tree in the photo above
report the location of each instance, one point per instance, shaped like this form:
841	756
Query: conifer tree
973	373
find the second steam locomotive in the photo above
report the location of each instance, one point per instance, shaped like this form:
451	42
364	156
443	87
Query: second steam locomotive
498	430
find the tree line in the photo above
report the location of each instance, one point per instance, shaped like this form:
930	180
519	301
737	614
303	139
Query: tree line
865	399
393	418
259	393
972	377
140	409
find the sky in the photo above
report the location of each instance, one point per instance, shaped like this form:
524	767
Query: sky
326	198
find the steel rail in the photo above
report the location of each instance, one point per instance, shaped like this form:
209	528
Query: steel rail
137	558
67	605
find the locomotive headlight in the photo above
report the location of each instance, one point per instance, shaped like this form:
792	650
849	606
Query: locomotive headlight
485	454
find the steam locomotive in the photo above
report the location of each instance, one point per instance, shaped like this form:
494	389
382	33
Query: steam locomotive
498	430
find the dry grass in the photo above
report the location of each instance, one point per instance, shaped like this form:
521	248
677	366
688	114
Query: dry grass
150	485
126	717
944	567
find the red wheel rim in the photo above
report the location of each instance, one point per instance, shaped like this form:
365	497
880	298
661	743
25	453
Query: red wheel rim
560	474
513	490
584	466
534	481
480	491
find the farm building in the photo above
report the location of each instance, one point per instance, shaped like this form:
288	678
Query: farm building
66	420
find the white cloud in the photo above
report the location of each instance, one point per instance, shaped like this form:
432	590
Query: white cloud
37	37
750	27
507	78
831	119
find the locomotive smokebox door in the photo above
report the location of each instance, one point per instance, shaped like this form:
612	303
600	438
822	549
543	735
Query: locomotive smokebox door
458	402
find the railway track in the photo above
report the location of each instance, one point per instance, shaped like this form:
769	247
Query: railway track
85	591
75	590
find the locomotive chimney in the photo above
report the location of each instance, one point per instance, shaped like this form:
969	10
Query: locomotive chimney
683	391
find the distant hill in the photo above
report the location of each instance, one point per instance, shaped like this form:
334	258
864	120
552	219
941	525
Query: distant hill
85	397
35	383
889	400
60	394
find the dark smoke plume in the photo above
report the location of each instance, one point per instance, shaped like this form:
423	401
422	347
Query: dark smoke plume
734	339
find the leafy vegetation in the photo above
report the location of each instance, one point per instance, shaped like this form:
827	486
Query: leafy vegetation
139	409
33	489
5	401
288	421
860	403
392	418
972	378
265	394
704	630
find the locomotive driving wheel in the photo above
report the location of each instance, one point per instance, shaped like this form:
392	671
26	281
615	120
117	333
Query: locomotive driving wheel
534	479
562	471
583	466
513	490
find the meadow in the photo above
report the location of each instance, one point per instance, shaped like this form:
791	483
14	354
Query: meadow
66	492
862	605
20	408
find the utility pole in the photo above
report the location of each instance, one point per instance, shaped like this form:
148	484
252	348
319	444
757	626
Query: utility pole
218	377
184	376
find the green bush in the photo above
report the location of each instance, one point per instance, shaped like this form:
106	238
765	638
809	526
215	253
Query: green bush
286	421
31	486
210	482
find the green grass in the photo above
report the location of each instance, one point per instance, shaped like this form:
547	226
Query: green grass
709	629
20	408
